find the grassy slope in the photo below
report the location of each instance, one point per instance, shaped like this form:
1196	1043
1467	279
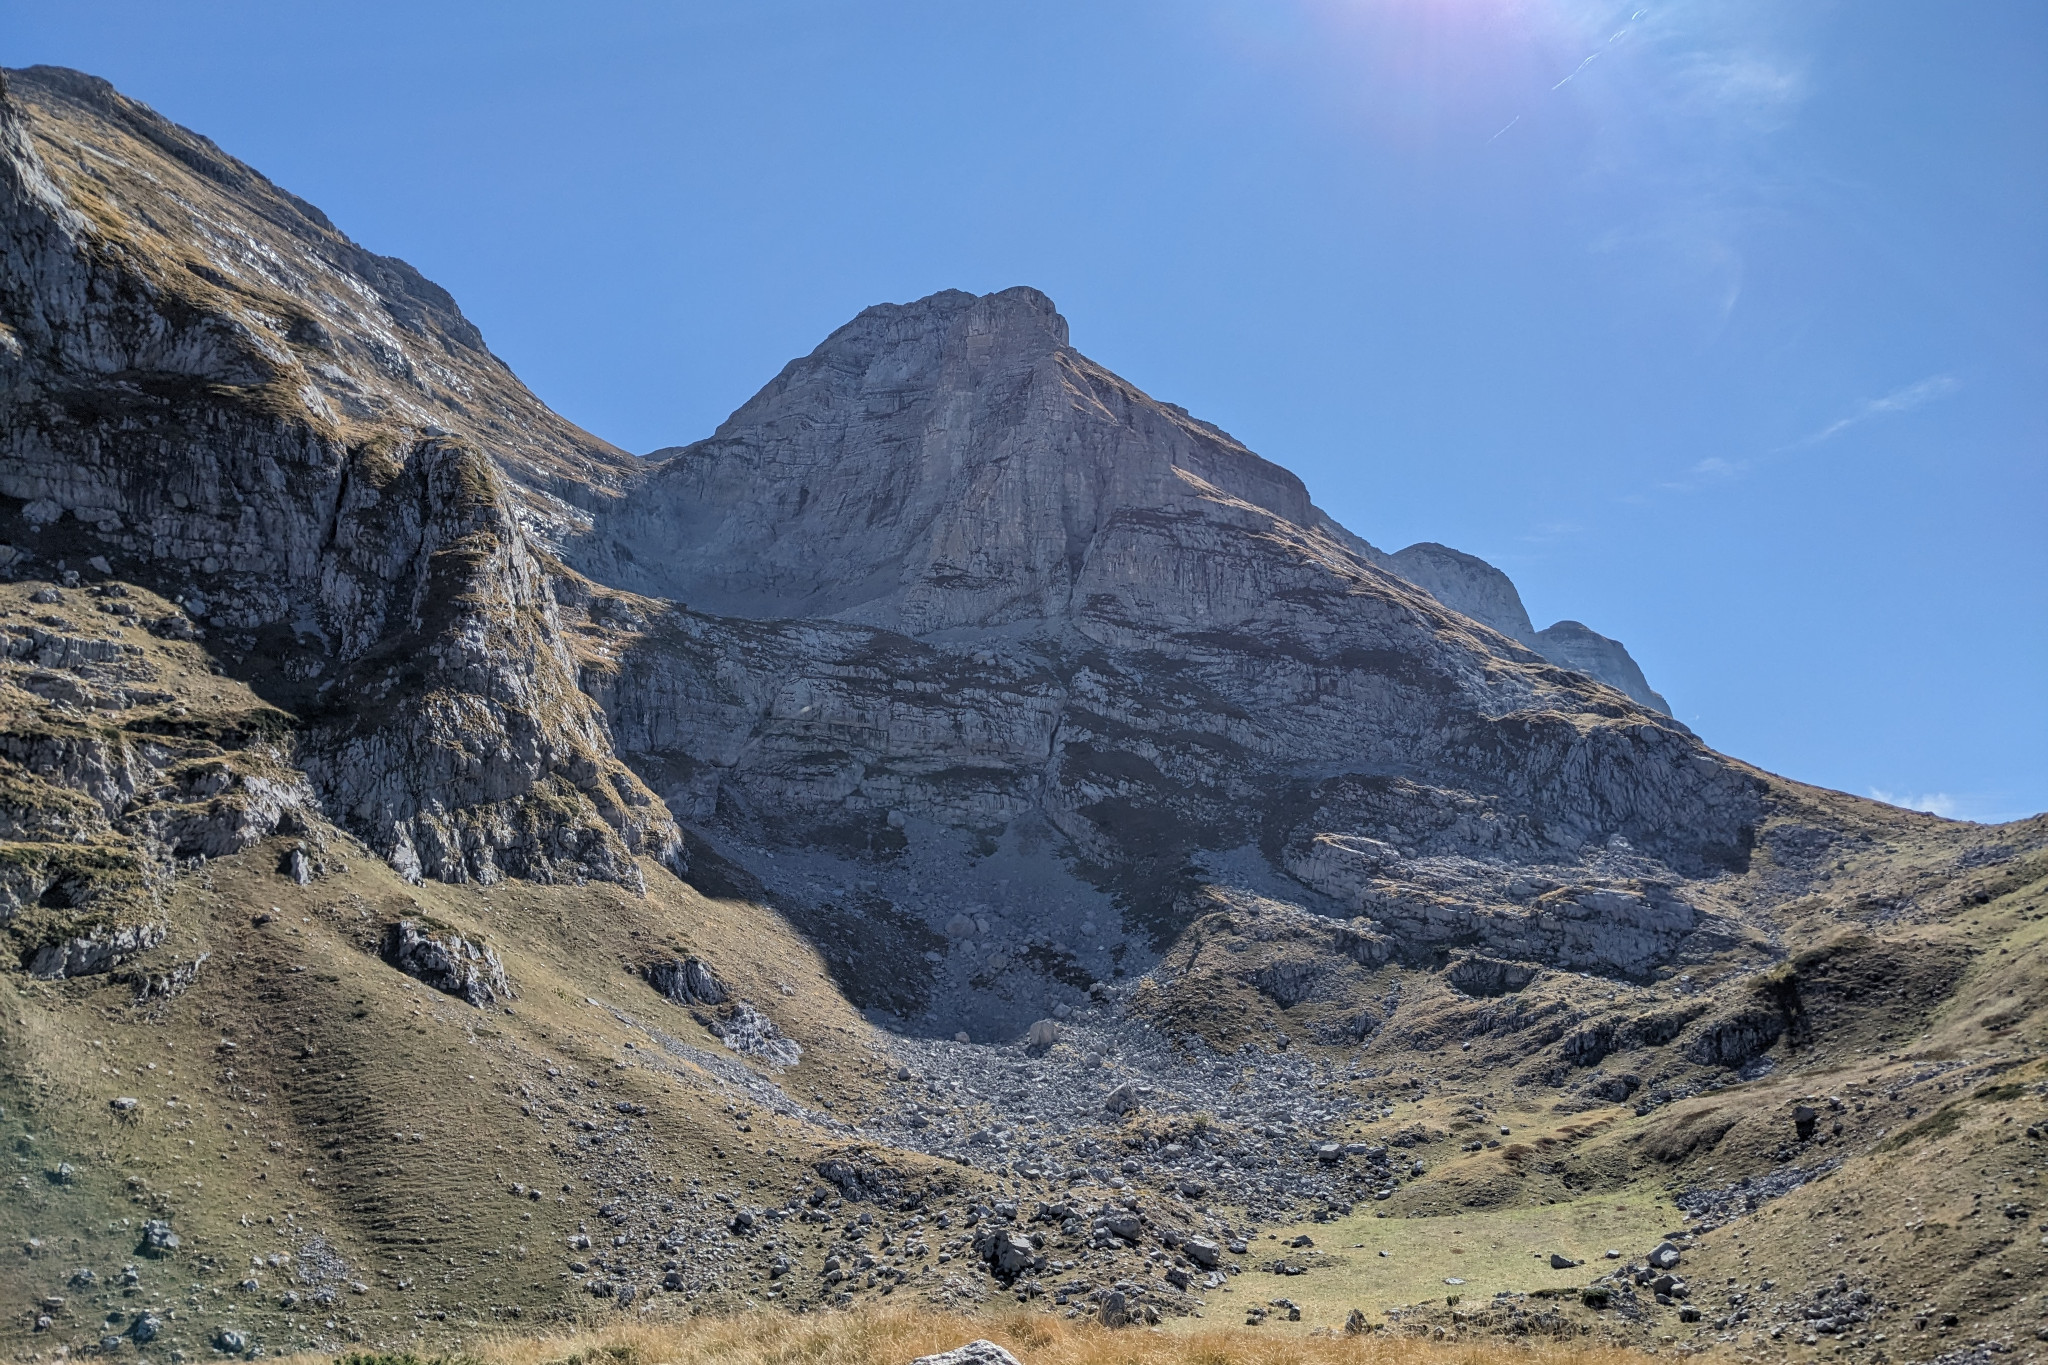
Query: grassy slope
302	1095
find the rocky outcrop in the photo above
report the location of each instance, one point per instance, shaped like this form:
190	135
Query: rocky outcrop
687	981
1465	583
1571	645
211	392
95	954
447	961
746	1030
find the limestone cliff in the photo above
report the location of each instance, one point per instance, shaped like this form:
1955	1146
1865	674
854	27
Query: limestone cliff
207	391
1469	584
947	578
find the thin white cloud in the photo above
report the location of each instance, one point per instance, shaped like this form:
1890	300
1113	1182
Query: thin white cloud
1716	469
1753	89
1933	803
1912	396
1577	69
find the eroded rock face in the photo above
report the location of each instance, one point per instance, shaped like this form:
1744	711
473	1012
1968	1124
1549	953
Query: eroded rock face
742	1027
1571	645
946	580
447	961
1033	593
689	981
99	952
213	393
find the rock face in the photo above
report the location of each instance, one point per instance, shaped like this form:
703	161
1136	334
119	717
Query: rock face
946	575
1465	583
213	393
1470	585
1571	645
945	586
448	962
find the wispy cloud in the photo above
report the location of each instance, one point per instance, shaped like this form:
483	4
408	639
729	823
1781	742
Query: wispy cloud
1934	803
1549	533
1915	395
1716	469
1591	58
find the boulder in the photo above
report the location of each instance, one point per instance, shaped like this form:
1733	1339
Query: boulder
447	961
1009	1253
978	1352
1804	1117
1664	1257
1124	1224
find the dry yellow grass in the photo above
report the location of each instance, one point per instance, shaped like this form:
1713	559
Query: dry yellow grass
895	1336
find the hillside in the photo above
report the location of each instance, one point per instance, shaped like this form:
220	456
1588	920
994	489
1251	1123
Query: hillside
966	832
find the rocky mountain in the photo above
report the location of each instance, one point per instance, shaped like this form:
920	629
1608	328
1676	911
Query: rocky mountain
965	827
1470	585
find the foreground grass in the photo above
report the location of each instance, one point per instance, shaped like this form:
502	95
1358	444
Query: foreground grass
897	1336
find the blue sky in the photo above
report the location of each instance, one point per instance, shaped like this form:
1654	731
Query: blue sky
1723	327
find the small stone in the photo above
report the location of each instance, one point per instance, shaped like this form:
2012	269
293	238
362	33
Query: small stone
1558	1261
231	1341
157	1237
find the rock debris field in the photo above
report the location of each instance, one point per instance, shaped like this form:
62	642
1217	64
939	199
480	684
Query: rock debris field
1104	1166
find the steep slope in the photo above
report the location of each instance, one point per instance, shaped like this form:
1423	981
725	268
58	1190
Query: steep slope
1465	583
211	393
1468	584
1569	644
1034	598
